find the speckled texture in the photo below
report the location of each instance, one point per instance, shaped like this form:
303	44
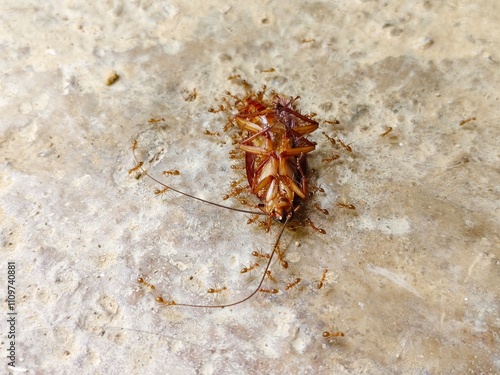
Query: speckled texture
413	272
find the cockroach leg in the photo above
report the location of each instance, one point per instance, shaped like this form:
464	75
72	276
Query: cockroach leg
303	129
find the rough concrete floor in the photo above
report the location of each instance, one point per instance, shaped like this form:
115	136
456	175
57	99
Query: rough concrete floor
413	271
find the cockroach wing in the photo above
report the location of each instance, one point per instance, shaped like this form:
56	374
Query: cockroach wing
250	168
302	142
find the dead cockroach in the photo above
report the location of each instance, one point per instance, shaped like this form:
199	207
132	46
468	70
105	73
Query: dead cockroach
389	129
465	121
320	283
273	137
345	205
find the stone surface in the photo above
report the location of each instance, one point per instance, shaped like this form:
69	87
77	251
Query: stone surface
413	271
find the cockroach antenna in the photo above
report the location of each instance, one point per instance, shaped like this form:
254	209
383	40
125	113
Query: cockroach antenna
139	166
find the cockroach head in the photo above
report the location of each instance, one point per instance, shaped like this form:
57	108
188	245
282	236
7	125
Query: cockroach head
280	218
282	212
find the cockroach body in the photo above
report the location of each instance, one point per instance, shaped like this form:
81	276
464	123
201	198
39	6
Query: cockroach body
275	150
275	154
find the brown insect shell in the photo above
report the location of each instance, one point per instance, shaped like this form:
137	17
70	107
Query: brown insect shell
271	161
